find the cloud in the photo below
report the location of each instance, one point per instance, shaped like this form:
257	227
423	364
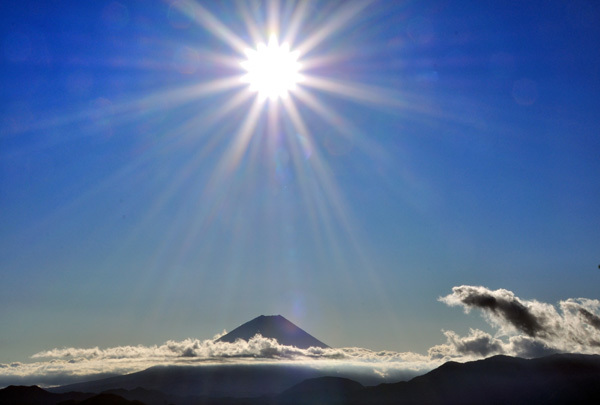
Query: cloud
533	328
524	328
504	309
66	365
524	346
477	344
210	350
592	319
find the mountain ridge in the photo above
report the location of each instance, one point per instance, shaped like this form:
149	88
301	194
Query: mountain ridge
555	379
204	380
275	327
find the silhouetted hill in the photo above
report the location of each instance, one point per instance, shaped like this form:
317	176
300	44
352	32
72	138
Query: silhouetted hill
103	399
26	395
34	395
205	381
557	379
275	327
329	390
150	397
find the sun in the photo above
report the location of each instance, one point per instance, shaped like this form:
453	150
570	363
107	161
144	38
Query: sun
272	70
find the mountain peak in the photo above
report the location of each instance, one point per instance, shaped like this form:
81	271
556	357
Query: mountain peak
274	327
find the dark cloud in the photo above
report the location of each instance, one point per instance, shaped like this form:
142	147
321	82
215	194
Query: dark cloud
482	346
544	329
592	319
476	345
501	303
524	346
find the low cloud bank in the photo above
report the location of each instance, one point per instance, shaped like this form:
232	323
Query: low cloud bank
524	328
210	350
67	365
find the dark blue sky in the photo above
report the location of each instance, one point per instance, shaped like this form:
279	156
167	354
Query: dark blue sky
460	146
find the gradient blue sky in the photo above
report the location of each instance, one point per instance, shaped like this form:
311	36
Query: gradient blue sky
463	147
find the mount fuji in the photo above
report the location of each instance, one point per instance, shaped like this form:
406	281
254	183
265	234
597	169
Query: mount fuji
274	327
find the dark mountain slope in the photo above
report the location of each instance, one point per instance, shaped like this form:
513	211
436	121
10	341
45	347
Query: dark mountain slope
557	379
275	327
34	395
329	390
103	399
14	394
206	381
149	397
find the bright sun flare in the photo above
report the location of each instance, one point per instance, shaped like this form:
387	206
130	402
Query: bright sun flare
272	70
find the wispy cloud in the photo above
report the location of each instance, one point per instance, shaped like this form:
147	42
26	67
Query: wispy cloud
525	328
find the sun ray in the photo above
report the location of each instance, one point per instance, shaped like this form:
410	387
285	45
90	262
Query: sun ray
211	23
335	120
323	201
299	158
340	209
344	127
326	60
229	61
232	157
234	102
273	127
122	111
173	97
298	17
189	168
346	13
326	184
273	17
251	25
214	193
361	93
190	93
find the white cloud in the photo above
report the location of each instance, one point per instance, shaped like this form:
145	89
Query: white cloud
477	344
66	365
524	328
532	328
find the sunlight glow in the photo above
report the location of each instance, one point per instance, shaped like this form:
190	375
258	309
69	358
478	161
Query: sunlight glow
277	138
272	70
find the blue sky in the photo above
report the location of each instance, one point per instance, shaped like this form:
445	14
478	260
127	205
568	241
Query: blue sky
460	148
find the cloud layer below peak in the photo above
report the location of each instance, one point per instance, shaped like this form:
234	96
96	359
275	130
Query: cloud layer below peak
523	328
